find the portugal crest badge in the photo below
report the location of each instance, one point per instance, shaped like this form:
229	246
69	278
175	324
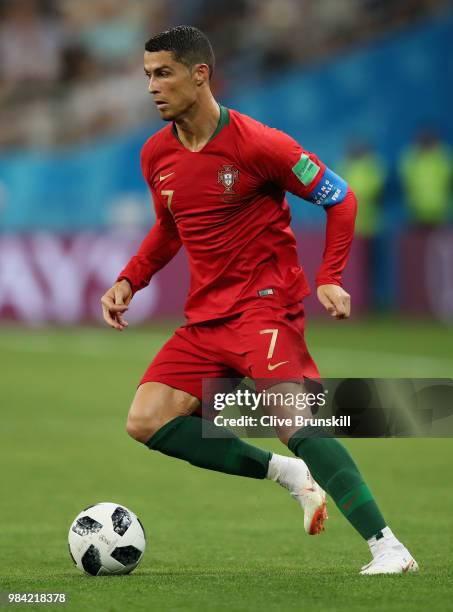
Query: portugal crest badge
228	176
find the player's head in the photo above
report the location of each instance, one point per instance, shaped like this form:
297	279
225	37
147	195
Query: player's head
179	64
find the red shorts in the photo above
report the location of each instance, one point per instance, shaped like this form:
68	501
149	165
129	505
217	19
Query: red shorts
260	343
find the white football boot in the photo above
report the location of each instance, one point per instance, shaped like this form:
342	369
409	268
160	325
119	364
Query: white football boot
389	556
294	475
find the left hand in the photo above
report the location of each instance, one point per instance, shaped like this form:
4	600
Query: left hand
335	300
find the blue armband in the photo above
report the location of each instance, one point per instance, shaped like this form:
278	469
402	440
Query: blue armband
330	190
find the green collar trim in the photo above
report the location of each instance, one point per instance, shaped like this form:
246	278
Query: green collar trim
224	119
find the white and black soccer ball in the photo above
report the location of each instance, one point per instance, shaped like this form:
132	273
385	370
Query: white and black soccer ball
106	539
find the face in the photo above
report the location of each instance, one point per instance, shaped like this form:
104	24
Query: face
173	86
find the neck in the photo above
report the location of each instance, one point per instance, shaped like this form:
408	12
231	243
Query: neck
198	124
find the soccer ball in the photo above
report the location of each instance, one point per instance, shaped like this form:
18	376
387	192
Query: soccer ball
106	539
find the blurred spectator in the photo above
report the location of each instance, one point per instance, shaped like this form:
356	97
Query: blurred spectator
30	47
114	102
111	31
426	170
365	171
69	70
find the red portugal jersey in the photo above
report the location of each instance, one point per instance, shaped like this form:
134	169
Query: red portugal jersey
226	205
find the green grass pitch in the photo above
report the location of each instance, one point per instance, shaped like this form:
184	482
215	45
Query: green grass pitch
215	542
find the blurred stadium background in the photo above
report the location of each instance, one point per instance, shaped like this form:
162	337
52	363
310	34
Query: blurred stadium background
367	84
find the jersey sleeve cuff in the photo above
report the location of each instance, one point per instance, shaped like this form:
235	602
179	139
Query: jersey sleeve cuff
126	278
323	279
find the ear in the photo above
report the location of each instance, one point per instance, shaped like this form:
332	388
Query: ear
201	73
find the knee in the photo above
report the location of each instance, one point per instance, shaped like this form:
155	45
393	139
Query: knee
142	427
153	407
284	438
138	430
285	434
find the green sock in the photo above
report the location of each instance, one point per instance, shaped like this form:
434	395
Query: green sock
335	471
182	438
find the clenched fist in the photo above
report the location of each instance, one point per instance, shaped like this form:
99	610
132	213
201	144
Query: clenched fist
335	300
115	302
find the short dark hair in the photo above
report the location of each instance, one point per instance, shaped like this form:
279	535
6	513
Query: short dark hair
188	45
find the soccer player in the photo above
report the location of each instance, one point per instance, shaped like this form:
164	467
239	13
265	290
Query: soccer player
218	180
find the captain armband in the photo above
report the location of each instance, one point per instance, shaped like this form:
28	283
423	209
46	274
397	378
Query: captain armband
330	189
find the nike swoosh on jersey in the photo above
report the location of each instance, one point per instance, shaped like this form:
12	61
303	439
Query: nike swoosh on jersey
275	365
162	177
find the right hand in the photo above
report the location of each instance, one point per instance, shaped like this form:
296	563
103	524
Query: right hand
115	302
